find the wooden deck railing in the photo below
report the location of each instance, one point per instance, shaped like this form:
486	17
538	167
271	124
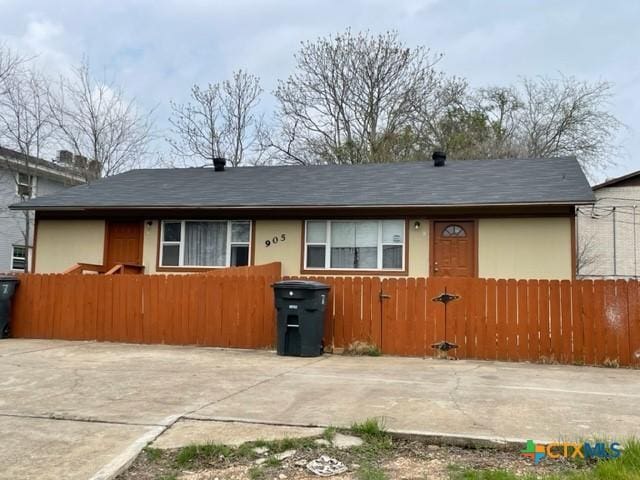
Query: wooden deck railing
92	268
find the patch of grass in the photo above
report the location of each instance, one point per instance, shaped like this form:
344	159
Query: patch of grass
329	433
377	441
153	454
256	473
279	446
363	349
371	427
169	477
370	472
484	475
625	467
272	462
191	453
611	363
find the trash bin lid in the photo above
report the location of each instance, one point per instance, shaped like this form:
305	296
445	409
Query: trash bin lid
301	285
9	278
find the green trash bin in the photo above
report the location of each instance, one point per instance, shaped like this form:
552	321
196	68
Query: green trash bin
300	305
8	286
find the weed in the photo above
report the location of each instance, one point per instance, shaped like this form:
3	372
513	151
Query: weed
153	454
370	472
272	461
329	433
169	477
371	427
544	360
611	363
256	473
363	348
190	453
625	467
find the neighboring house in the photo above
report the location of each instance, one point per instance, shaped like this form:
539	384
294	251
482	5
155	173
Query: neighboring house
471	218
21	177
608	231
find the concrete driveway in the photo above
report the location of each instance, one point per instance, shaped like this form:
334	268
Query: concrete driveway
81	409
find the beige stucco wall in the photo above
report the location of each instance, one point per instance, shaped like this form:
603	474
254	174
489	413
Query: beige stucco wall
524	248
418	248
150	246
62	243
288	251
507	247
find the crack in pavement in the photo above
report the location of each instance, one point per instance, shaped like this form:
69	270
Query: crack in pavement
452	396
66	418
257	384
13	354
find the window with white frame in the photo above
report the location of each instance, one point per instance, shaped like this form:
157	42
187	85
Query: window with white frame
355	244
25	185
205	243
18	257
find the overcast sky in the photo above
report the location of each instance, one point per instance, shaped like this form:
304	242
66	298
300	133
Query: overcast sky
157	49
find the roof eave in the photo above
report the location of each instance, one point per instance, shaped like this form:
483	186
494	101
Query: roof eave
20	206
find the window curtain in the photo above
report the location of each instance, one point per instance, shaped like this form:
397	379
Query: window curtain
354	244
205	244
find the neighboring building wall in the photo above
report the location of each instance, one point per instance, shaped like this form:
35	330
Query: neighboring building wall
609	232
524	248
63	243
13	223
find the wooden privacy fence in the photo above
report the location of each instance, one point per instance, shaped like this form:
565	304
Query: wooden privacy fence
579	322
228	308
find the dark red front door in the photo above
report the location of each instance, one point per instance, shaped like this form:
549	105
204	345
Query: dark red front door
124	243
453	249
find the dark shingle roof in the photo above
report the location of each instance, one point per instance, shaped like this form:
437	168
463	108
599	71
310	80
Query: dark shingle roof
463	182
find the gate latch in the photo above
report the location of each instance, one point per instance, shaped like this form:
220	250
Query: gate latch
446	297
444	346
384	296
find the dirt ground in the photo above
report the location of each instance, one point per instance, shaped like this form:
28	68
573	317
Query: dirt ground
401	459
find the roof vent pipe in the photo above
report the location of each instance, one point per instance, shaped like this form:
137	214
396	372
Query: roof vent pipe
439	158
218	164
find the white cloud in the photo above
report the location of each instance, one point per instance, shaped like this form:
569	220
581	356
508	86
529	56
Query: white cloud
156	50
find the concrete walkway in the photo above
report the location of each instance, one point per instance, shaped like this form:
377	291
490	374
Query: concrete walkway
79	410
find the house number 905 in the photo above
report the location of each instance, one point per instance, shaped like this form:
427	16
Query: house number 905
275	240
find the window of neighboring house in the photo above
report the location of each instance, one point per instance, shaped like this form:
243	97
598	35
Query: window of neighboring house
18	257
354	244
205	243
26	185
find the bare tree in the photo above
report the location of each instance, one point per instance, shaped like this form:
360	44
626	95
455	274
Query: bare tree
240	97
568	117
26	127
97	121
197	125
538	117
219	121
586	255
354	98
10	62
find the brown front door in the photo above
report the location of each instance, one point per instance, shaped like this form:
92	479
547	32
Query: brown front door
124	243
454	250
